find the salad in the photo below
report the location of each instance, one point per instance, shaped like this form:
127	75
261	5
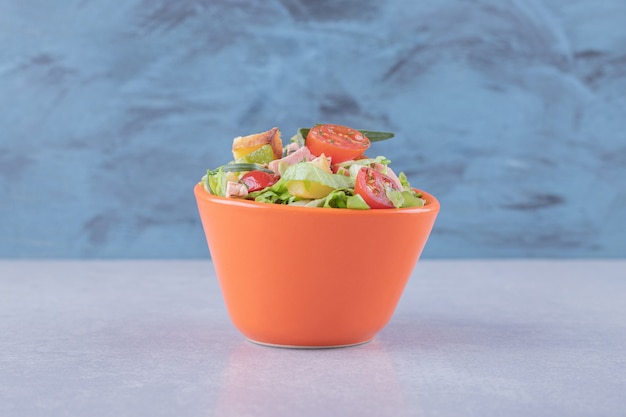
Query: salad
324	166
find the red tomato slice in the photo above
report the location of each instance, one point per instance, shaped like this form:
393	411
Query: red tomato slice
371	185
258	180
341	143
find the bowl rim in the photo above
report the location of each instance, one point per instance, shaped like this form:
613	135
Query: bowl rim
432	205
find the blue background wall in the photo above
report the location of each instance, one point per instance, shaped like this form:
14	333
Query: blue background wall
513	113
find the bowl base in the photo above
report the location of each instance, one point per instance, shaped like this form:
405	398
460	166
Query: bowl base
308	347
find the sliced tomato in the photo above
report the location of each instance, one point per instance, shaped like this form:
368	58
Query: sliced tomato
258	180
372	186
341	143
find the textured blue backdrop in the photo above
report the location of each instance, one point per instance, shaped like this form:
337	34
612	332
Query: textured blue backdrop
513	113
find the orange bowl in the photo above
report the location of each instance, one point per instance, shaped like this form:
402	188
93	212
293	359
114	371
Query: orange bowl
312	277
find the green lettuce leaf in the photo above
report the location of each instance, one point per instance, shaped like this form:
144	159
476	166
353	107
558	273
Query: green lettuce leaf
404	181
276	194
411	199
345	199
356	202
336	199
305	171
216	181
342	199
396	197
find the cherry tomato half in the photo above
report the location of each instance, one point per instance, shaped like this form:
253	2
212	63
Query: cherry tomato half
258	180
341	143
371	185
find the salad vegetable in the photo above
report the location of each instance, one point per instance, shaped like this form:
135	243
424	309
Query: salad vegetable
340	143
324	166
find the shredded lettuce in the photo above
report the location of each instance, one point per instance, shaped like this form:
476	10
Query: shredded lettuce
356	202
411	199
396	197
276	194
336	199
216	181
404	181
344	199
365	162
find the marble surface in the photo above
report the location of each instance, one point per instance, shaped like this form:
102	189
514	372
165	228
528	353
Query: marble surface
469	337
511	112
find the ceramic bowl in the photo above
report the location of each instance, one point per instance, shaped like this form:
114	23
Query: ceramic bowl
312	277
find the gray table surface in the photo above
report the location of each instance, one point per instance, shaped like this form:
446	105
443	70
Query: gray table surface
469	338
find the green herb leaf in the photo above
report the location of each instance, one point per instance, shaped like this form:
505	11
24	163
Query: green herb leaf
242	167
375	136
